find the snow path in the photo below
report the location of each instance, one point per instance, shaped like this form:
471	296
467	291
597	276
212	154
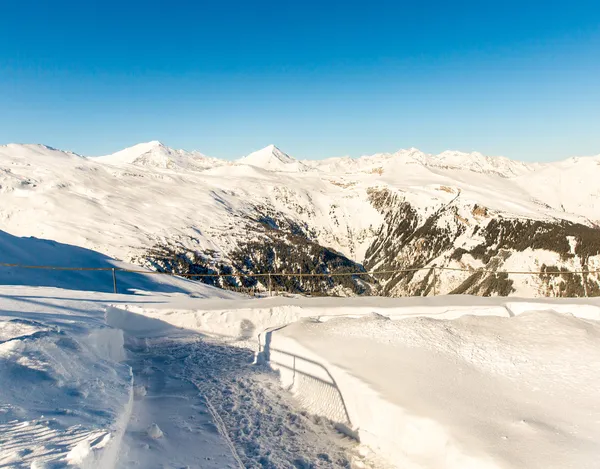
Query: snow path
261	418
164	398
207	396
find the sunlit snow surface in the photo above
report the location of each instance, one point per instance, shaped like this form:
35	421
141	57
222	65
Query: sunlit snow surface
102	380
92	379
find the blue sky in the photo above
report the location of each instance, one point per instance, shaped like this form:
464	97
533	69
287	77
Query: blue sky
327	78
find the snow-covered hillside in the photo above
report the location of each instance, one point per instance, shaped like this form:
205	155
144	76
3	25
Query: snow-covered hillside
475	162
184	212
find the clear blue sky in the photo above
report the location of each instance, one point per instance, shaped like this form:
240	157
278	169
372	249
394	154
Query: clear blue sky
317	78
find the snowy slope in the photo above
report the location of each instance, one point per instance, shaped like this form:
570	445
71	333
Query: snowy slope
149	204
65	398
98	380
474	162
42	252
572	185
124	211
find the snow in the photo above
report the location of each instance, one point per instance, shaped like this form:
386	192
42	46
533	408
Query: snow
68	395
272	158
475	391
90	378
449	160
156	155
41	252
103	380
154	432
123	204
63	396
92	385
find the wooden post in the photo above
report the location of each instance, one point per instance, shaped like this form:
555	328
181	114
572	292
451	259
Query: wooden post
114	272
583	276
434	281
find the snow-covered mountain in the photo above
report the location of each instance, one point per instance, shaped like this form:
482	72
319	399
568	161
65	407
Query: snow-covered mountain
272	158
185	212
381	162
156	155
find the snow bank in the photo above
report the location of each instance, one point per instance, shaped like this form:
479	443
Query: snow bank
246	318
473	392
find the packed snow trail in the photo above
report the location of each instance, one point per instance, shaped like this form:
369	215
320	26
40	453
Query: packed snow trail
263	420
169	415
207	396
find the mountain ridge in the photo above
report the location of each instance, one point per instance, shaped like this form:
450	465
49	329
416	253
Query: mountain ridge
272	158
391	212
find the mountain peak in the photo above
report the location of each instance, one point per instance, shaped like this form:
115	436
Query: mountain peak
131	154
272	158
155	154
145	147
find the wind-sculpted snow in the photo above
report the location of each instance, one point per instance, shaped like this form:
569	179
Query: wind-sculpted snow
65	397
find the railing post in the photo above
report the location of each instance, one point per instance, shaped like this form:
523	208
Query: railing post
294	375
114	275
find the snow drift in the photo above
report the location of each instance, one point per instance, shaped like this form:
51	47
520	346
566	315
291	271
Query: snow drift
473	392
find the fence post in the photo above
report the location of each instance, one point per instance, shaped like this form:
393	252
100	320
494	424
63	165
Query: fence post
114	272
270	285
585	292
434	281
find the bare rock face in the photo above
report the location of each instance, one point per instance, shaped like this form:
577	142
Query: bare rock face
488	247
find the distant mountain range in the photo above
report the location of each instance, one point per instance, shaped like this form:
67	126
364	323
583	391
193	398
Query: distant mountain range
186	212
